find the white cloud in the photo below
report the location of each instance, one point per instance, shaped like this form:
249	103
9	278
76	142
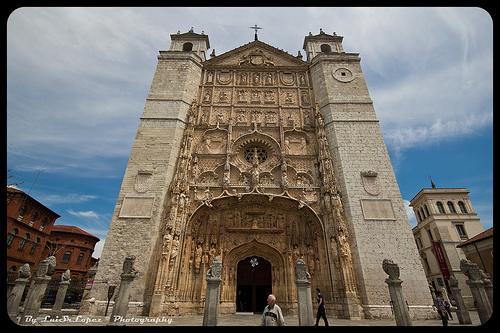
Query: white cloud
98	248
78	77
409	212
85	214
67	198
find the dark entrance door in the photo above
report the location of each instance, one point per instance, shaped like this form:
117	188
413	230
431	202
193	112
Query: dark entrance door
254	284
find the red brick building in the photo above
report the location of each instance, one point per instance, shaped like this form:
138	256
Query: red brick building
29	224
73	248
32	236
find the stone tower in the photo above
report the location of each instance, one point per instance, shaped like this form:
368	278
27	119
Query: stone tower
374	208
136	222
260	158
445	218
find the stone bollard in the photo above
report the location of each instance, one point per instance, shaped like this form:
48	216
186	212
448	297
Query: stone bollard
35	296
476	285
120	307
16	294
304	294
212	299
488	286
400	307
462	313
61	294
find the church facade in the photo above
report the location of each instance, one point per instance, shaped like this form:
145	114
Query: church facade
261	158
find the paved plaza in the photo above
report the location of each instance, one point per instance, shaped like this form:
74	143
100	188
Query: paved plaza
225	320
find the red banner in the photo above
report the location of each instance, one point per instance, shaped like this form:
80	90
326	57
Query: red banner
438	252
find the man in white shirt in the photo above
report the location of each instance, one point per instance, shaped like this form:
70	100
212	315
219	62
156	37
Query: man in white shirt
272	315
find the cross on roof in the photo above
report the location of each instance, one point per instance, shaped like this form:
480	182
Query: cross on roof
255	27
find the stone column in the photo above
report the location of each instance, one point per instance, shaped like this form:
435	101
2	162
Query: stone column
488	286
43	276
120	307
433	293
462	313
476	285
400	307
212	298
61	294
304	298
17	291
85	304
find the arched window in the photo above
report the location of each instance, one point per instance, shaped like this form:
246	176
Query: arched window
325	48
187	47
23	241
11	236
451	207
462	207
426	210
80	258
66	257
440	207
423	213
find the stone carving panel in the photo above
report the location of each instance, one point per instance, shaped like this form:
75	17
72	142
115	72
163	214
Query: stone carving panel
287	78
220	115
288	97
213	142
224	77
222	96
295	143
143	181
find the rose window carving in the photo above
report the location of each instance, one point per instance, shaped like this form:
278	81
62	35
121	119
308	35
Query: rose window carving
255	154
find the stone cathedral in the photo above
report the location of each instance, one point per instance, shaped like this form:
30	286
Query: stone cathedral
259	157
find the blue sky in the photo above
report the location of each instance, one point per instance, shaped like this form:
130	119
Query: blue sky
77	79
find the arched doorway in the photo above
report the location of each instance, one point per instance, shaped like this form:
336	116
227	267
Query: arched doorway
254	284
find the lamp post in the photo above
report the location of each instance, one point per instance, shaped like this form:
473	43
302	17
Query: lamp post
111	291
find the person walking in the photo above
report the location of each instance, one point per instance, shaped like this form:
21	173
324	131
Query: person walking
441	308
272	315
321	308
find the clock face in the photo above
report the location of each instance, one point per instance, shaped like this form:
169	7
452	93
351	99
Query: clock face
342	74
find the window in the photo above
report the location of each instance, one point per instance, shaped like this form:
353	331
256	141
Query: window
11	236
426	210
79	259
430	235
45	221
33	219
22	243
427	265
66	257
419	243
440	282
22	211
325	48
33	248
451	207
440	207
461	231
462	207
187	47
